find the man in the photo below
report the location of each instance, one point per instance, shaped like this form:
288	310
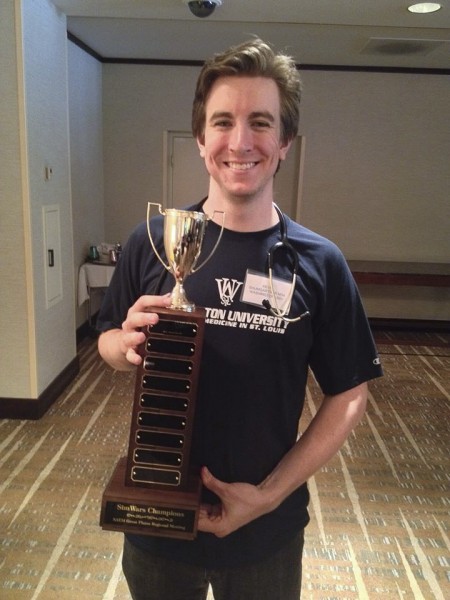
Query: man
256	356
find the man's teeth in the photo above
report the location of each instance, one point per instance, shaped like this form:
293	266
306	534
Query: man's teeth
241	166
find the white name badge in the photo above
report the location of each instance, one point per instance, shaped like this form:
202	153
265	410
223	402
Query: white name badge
257	288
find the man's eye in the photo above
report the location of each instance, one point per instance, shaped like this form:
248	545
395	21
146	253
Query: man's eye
261	124
222	124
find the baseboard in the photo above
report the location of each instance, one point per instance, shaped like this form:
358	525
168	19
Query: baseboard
380	324
34	409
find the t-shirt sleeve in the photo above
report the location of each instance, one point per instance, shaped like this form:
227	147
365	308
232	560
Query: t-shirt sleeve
344	354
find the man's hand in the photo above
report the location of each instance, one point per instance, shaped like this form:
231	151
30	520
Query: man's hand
118	347
239	504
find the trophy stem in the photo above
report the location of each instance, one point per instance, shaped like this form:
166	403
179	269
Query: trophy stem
179	299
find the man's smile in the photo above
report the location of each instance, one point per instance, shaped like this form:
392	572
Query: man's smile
240	166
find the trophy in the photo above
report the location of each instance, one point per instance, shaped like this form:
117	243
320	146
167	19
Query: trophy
155	490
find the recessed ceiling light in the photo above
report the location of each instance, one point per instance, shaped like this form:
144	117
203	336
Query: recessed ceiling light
424	7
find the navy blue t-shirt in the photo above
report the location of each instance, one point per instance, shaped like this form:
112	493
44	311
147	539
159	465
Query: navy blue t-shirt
254	366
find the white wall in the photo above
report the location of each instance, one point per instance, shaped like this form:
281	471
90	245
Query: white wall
86	157
46	104
377	178
13	286
38	339
139	103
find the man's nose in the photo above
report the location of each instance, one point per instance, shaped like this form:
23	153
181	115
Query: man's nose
241	138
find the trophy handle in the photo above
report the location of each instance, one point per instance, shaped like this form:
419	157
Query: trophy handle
149	204
220	212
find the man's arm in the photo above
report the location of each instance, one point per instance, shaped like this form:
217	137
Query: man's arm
242	502
118	347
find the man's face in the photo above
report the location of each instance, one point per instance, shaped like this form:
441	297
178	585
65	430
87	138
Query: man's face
241	145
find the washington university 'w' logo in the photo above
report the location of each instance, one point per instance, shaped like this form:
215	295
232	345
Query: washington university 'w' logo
227	290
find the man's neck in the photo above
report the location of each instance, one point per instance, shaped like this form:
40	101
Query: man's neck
242	214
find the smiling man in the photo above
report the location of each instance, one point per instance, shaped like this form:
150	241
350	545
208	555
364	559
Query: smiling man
253	377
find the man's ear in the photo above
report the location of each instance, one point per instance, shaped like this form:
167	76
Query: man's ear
284	148
201	146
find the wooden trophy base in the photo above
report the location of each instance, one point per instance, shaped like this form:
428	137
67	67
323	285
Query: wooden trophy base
145	511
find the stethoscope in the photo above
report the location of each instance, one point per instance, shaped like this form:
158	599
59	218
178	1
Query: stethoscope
285	245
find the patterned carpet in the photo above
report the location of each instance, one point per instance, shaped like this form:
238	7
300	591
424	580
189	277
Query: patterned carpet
380	510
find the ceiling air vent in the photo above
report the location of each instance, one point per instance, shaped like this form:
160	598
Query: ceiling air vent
399	46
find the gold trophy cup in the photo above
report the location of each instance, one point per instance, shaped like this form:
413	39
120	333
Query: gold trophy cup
183	237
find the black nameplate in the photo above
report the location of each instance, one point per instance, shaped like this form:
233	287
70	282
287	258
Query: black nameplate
170	347
160	402
158	457
159	421
152	382
170	327
160	476
161	440
168	365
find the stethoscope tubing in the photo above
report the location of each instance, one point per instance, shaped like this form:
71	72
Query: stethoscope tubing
286	245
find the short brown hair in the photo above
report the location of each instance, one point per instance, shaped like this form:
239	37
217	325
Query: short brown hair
253	58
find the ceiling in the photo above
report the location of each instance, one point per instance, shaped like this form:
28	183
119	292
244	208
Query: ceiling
339	33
